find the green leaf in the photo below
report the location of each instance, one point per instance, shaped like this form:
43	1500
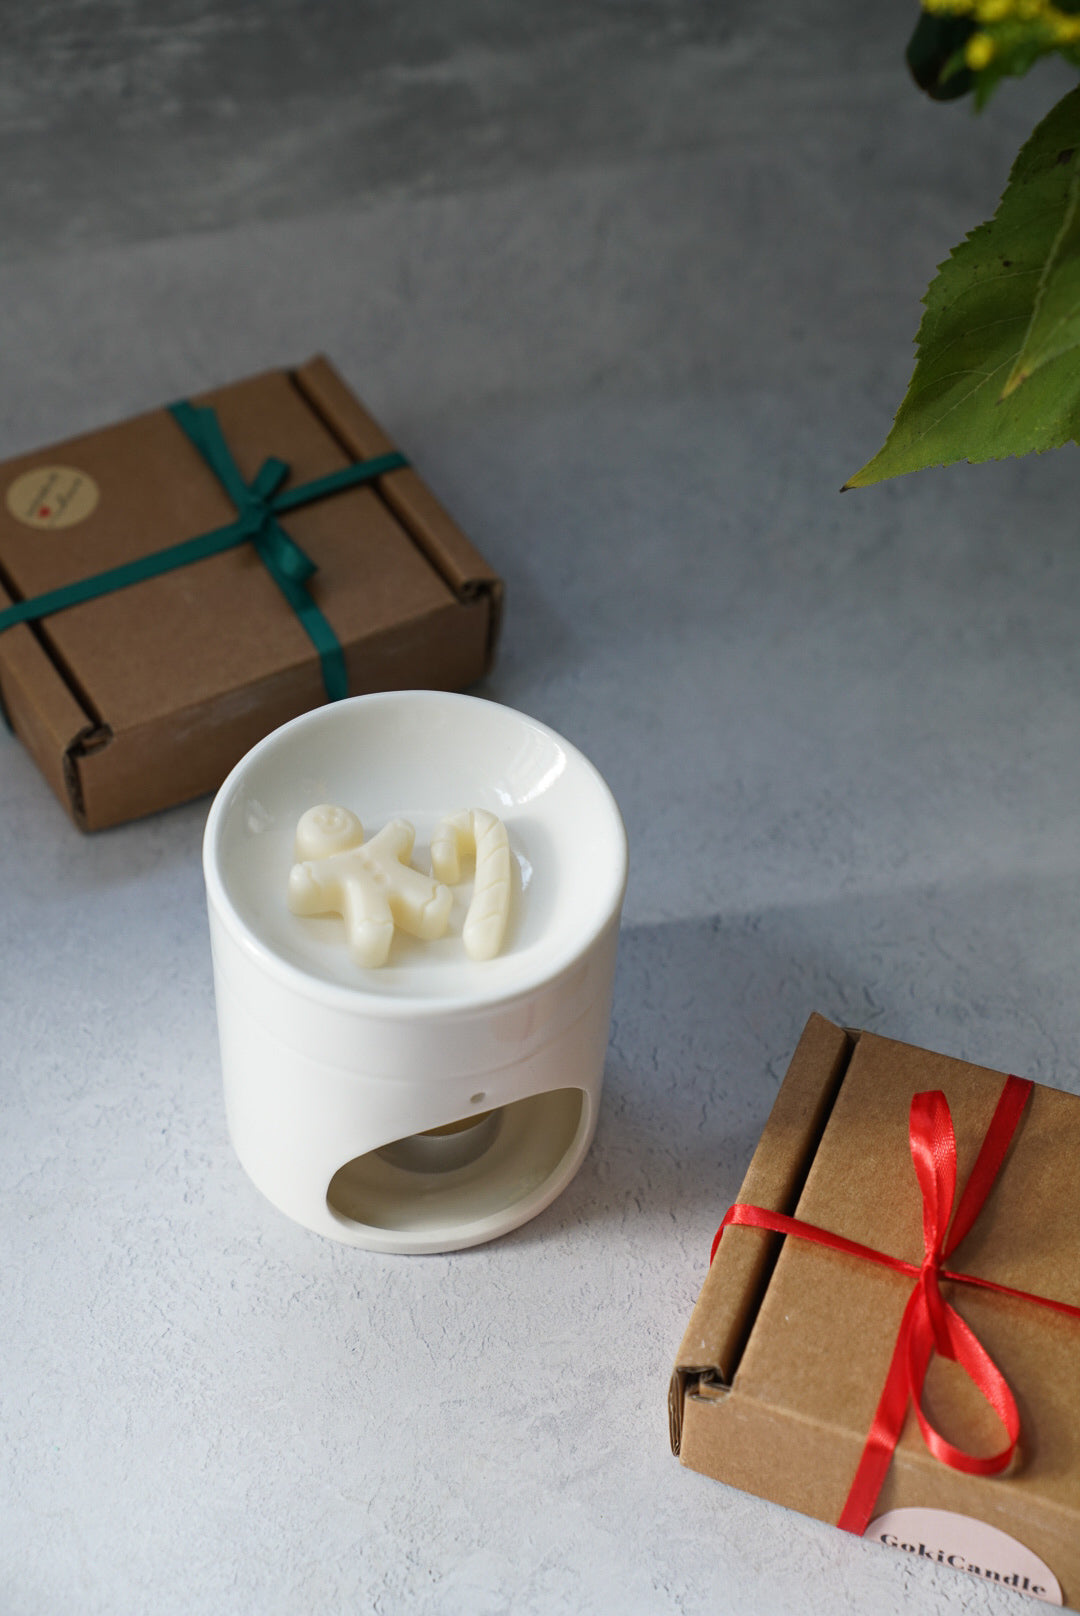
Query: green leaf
1055	319
983	309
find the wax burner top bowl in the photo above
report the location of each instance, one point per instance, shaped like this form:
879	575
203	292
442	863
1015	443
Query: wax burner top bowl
438	1100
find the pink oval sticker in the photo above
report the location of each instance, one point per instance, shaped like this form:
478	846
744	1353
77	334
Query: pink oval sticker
967	1545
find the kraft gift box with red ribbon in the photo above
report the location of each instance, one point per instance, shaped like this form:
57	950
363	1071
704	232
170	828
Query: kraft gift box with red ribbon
175	586
888	1337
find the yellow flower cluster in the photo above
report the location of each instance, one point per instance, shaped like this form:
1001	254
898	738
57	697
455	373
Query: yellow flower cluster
1049	26
991	11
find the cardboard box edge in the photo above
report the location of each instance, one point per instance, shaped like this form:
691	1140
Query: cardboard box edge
51	723
428	523
738	1277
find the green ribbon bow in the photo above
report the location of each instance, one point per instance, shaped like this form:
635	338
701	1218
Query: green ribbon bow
258	505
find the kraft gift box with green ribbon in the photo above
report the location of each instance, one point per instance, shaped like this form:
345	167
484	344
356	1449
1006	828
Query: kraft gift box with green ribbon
175	586
888	1336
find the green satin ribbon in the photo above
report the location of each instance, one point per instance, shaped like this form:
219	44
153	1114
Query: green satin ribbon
258	505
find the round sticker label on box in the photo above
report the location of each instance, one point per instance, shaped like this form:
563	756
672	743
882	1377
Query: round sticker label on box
52	497
967	1545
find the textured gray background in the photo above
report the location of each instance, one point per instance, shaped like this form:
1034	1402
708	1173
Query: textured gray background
635	284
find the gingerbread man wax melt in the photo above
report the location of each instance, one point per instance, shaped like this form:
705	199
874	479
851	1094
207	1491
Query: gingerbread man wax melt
375	889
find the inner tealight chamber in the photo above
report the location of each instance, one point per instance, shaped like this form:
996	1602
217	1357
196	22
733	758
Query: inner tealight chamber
421	1186
440	1150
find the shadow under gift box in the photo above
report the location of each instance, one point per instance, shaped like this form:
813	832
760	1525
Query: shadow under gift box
437	1101
783	1362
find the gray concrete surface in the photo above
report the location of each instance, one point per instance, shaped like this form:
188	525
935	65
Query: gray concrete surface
636	286
122	121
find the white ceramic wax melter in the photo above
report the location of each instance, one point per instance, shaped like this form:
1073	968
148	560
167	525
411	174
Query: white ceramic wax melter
438	1100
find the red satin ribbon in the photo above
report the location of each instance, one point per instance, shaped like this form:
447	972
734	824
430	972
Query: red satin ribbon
929	1323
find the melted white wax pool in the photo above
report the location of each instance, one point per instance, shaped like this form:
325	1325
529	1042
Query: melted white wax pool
421	756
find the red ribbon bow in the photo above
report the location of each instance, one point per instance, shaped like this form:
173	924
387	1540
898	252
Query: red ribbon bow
930	1324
